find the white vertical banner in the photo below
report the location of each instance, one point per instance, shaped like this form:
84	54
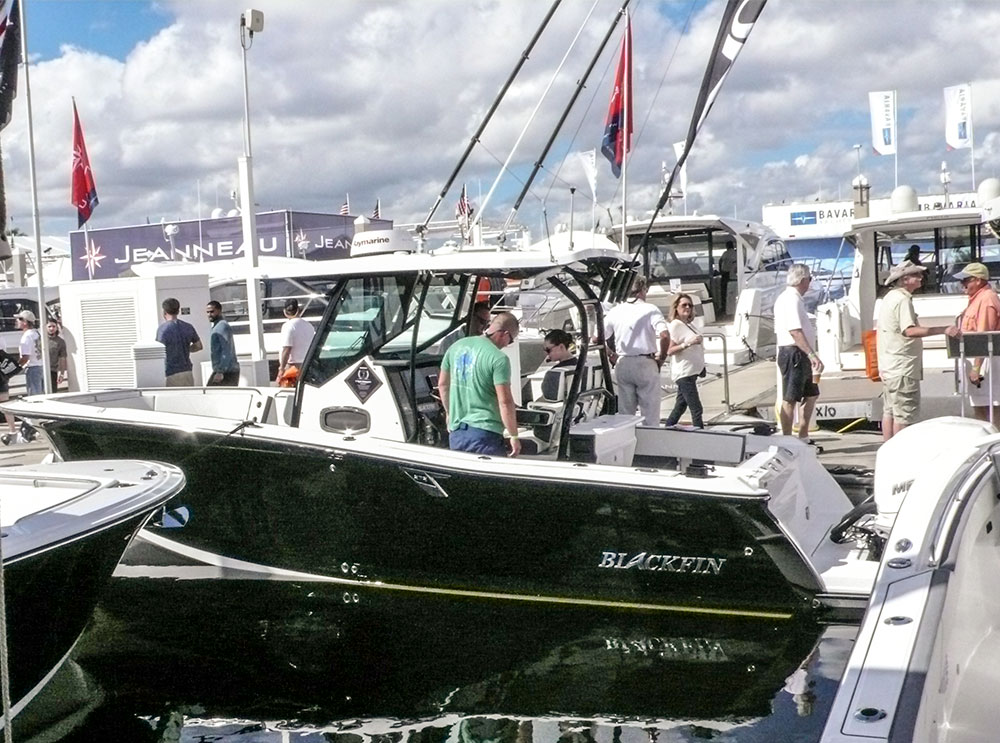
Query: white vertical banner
588	160
958	116
883	109
683	175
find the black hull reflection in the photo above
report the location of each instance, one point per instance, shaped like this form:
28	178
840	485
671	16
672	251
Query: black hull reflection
324	659
337	514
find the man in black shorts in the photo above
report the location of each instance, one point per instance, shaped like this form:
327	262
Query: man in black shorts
797	359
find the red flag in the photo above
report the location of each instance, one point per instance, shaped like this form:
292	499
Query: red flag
617	140
84	191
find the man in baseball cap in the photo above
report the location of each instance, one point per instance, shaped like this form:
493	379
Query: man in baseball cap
982	315
30	348
901	347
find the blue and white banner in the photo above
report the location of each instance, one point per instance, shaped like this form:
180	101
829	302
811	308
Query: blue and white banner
958	116
883	108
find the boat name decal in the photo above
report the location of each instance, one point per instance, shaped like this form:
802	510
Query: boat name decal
669	563
683	648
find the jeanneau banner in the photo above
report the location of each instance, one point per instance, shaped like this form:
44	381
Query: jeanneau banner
958	116
883	108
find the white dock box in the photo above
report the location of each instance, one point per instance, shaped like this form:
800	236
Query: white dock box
607	439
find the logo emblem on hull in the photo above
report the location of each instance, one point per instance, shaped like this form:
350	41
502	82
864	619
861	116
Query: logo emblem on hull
659	563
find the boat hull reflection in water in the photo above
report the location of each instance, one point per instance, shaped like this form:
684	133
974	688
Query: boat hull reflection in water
245	660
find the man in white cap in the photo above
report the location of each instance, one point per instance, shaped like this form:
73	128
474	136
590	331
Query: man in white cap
900	348
982	315
30	348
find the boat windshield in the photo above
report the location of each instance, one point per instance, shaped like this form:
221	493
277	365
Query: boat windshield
944	251
386	316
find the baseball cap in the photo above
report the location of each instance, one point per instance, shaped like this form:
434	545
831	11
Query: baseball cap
974	271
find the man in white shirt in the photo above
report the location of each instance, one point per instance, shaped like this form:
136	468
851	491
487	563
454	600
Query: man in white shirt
296	336
641	342
797	358
30	348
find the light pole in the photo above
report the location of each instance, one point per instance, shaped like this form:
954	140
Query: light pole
251	22
857	148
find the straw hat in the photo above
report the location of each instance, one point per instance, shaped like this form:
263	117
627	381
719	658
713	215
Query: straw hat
903	268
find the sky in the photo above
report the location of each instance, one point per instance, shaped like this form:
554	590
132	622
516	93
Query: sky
378	99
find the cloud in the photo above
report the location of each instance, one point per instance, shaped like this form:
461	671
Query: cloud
380	100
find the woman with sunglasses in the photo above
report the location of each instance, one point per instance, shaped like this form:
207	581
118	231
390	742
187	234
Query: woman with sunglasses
687	361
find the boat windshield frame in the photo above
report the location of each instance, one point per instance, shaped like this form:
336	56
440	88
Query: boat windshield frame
944	250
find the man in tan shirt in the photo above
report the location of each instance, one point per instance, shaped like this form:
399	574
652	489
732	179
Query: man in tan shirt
901	347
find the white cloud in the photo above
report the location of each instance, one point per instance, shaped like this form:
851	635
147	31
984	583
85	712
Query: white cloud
380	99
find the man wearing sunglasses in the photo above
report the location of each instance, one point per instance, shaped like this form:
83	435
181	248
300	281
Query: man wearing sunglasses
474	385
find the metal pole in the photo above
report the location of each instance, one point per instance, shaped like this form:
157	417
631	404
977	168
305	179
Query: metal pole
36	226
249	220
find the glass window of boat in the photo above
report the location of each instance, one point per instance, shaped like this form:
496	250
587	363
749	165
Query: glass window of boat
681	255
954	250
386	317
9	309
944	251
989	251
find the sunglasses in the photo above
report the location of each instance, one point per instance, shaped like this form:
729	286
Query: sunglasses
685	304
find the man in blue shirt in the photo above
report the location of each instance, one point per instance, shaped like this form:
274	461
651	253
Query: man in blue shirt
225	367
180	340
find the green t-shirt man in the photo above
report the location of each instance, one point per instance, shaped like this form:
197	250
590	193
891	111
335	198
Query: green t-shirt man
475	366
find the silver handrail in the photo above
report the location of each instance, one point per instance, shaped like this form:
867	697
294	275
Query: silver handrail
725	366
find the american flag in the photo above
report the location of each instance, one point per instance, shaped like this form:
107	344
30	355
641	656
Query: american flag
377	211
345	208
463	209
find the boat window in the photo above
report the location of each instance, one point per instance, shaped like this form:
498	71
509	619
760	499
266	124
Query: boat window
954	250
680	255
9	308
311	293
989	251
378	316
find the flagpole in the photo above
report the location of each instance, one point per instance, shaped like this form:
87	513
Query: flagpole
895	132
972	139
626	113
36	226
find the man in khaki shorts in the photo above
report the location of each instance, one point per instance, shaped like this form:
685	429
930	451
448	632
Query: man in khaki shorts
901	347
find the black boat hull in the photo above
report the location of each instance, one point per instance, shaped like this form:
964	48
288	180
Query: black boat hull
50	596
332	514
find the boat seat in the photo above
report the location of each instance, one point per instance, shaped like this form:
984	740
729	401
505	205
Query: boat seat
654	445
